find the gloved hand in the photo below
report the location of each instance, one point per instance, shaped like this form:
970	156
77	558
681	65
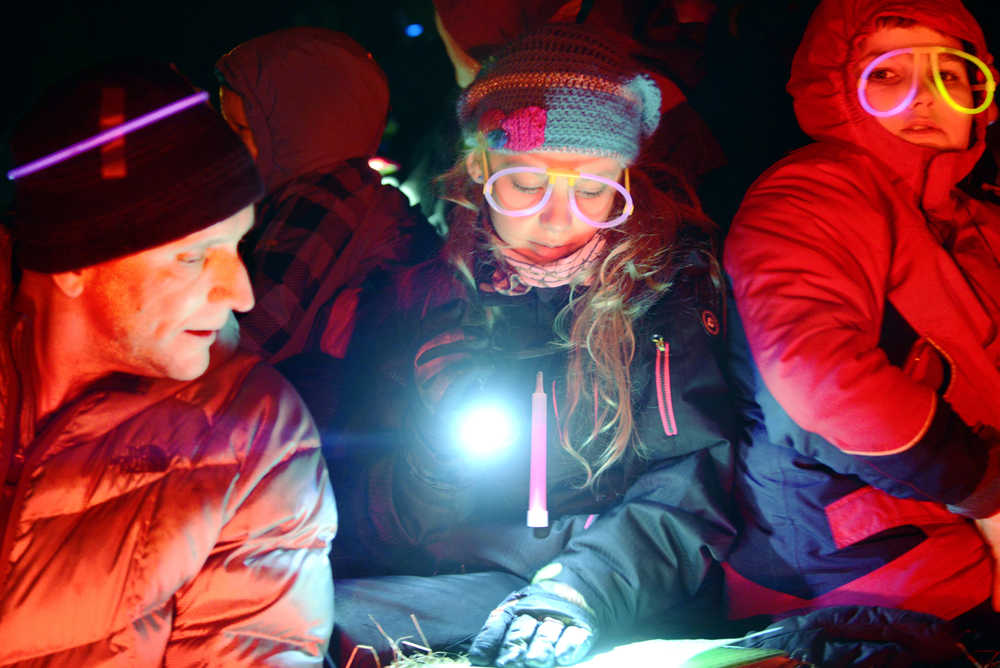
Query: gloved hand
536	627
432	418
860	635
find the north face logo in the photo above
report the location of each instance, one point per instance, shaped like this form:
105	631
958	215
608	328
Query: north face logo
142	459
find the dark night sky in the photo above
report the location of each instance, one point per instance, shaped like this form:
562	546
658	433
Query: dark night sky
44	40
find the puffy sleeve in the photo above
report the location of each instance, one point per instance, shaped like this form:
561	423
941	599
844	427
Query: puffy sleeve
264	596
809	256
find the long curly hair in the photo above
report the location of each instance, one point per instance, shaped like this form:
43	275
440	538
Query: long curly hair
635	269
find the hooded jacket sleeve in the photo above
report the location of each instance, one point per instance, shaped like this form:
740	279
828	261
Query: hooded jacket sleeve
653	551
810	258
264	596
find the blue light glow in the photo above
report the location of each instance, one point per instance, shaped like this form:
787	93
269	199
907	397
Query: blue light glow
414	30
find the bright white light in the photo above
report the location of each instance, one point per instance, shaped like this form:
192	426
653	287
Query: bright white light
685	652
484	430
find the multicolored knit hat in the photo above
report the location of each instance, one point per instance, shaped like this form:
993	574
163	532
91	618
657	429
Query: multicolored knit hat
562	87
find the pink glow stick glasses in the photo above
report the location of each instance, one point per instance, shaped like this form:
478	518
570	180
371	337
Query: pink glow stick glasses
892	90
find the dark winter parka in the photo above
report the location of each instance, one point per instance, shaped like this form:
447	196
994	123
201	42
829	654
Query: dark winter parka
644	537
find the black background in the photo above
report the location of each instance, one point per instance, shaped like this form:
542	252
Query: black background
742	97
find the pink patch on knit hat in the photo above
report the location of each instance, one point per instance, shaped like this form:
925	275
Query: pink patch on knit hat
525	128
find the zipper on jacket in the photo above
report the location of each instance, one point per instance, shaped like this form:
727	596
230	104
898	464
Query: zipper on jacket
664	400
13	424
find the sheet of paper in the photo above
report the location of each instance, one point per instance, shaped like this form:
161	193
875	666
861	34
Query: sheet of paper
665	653
652	653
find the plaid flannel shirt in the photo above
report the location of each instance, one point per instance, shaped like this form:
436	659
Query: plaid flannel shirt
318	237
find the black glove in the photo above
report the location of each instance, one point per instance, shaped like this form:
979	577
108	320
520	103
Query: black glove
859	635
535	628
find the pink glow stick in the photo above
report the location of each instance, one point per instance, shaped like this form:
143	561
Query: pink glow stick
538	514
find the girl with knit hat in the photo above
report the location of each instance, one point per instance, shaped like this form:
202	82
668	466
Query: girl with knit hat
565	274
867	276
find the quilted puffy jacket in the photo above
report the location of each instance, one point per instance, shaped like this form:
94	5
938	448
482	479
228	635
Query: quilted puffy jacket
156	522
869	287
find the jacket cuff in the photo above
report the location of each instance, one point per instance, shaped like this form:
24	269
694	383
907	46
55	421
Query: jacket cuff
984	499
593	600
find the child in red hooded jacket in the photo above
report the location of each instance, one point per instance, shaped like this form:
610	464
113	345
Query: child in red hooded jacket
868	284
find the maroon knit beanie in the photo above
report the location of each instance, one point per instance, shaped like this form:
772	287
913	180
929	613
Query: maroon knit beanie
159	183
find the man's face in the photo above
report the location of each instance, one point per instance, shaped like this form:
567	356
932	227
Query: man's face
928	120
156	312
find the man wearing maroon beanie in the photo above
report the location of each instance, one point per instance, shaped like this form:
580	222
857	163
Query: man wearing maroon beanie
163	497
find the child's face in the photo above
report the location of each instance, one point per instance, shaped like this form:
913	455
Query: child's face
928	120
553	232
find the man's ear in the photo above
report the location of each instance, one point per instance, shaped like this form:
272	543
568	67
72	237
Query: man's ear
474	166
70	283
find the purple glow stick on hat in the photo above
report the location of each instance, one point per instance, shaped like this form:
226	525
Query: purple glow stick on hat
107	136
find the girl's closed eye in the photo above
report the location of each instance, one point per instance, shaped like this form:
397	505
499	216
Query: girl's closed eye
591	190
530	183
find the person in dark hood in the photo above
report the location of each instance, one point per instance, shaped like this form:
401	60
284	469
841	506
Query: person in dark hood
868	284
311	105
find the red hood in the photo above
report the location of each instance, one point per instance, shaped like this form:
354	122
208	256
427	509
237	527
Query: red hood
313	98
826	102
